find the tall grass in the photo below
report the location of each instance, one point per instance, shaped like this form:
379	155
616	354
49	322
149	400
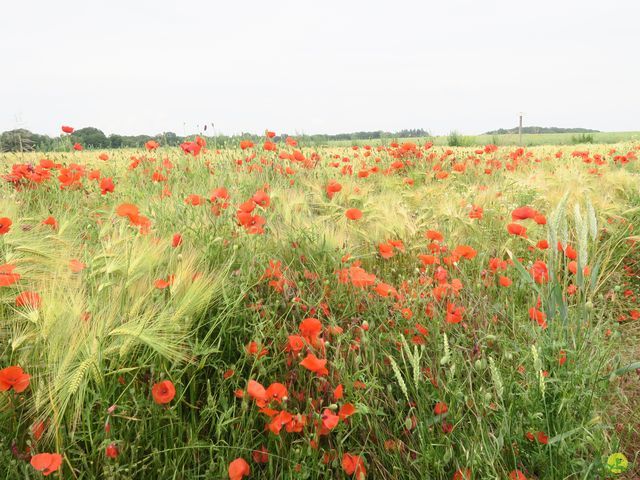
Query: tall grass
517	396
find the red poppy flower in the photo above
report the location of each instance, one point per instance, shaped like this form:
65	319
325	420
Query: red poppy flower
46	163
476	212
76	265
357	276
151	145
278	420
112	451
338	392
194	200
332	188
77	147
295	344
176	241
465	251
246	207
191	148
50	221
37	430
542	244
353	214
571	252
542	438
252	348
127	210
13	377
161	283
329	419
257	392
261	455
428	259
517	229
238	469
47	463
540	219
106	185
517	475
523	213
384	290
434	235
462	474
310	328
220	193
386	250
440	408
314	364
346	411
261	198
454	314
163	392
540	272
562	359
276	392
67	129
28	299
5	225
7	277
354	465
539	316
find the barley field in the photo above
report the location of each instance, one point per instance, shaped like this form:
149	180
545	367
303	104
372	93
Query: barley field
282	311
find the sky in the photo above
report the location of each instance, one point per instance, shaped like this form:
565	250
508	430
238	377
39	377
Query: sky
326	66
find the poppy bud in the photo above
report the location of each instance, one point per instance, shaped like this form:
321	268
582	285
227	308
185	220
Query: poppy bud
112	451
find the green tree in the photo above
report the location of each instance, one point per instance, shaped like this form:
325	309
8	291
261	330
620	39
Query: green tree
18	140
115	141
91	137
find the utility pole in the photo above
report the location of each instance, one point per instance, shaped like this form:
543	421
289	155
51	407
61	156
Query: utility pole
520	129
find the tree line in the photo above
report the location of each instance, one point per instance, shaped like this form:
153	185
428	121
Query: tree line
538	130
22	140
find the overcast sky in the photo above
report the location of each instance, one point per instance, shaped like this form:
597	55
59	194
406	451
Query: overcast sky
320	66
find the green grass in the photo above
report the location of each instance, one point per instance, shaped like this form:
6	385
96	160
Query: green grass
528	139
103	336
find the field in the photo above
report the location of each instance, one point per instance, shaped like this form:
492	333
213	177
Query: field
528	139
284	311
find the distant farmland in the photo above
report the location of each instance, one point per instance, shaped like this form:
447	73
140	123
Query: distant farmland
528	139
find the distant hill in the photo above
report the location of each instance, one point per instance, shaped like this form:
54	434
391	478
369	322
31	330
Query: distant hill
504	131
